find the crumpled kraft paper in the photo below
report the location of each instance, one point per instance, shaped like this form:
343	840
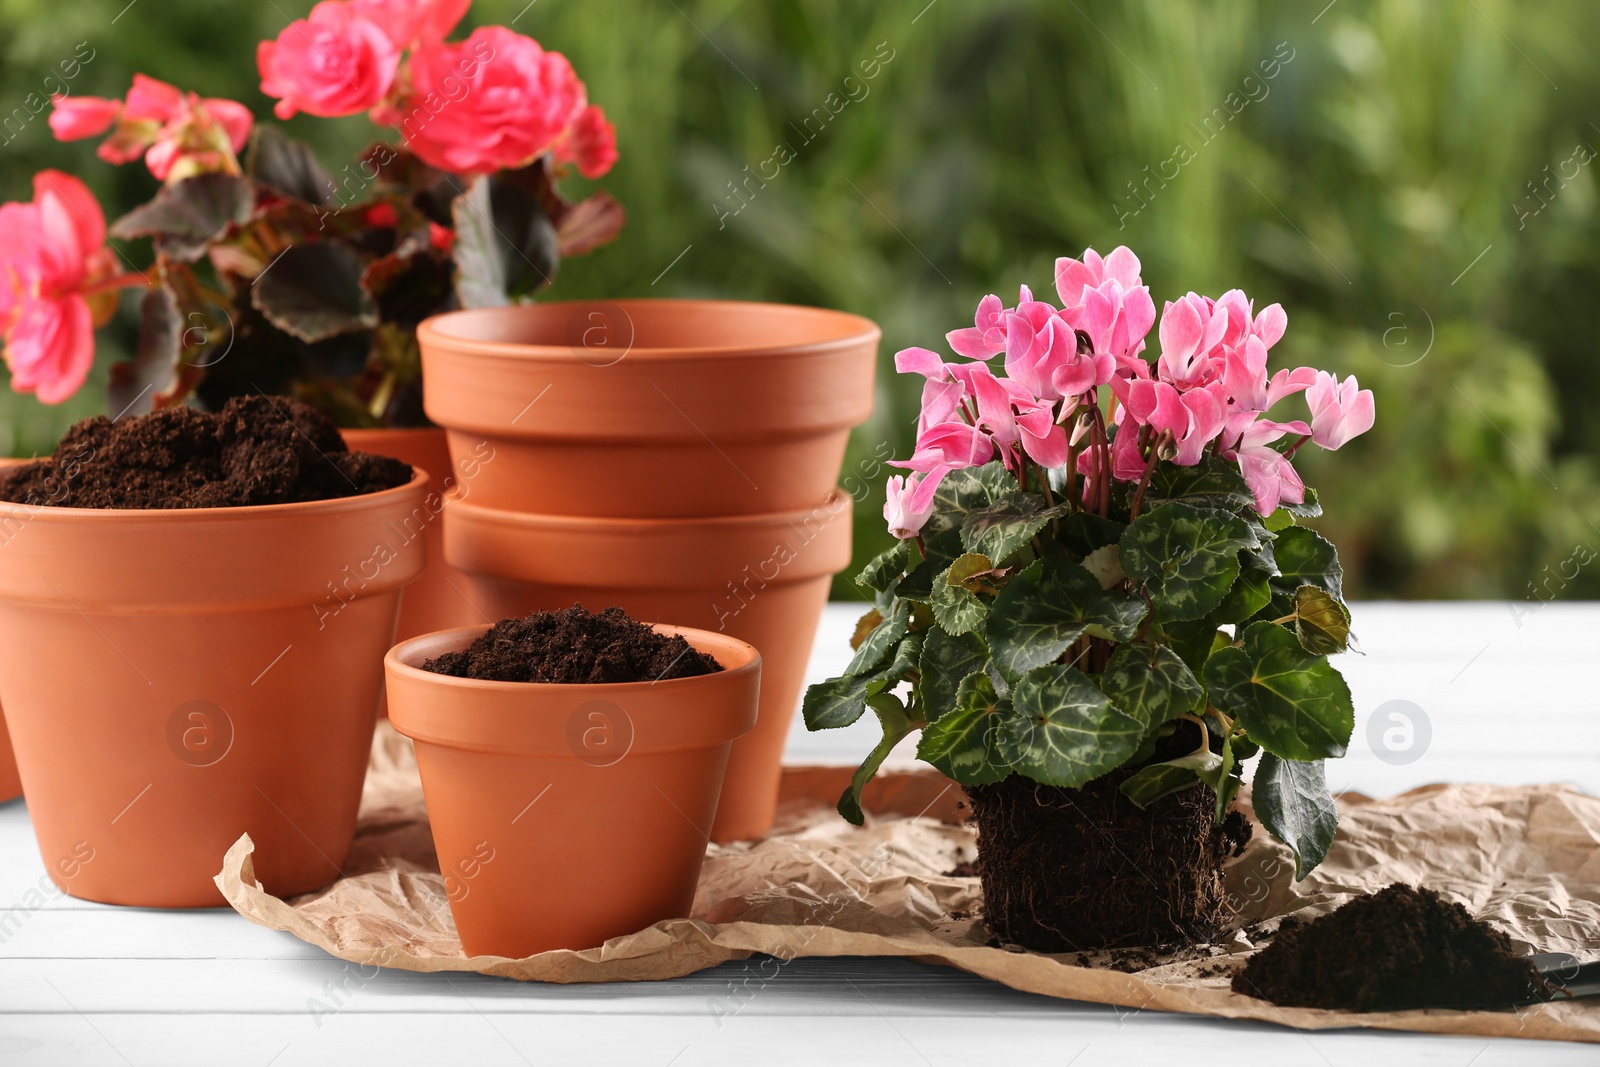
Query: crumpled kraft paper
1526	859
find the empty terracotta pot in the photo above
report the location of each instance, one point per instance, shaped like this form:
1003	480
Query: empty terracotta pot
760	578
173	679
438	599
566	815
651	408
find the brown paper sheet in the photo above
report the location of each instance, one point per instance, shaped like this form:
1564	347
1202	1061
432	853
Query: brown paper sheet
1525	859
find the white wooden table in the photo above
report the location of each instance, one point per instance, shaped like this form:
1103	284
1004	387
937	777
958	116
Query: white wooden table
1508	696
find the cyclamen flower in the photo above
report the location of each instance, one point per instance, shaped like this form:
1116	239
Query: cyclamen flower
409	22
1338	412
494	101
177	133
1191	331
52	252
1271	477
987	335
1106	299
1193	419
332	63
1042	354
909	501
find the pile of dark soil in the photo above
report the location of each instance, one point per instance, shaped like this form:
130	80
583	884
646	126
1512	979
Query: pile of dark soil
256	450
1395	950
1069	870
573	646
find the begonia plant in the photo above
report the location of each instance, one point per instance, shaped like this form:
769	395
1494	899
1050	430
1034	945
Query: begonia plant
272	274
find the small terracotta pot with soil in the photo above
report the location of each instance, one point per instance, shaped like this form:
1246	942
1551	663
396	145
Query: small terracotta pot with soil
571	765
1071	870
193	613
758	578
651	408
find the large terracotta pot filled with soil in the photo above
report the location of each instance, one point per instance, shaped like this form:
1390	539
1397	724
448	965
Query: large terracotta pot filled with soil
10	780
438	599
1073	870
176	676
565	814
760	578
651	408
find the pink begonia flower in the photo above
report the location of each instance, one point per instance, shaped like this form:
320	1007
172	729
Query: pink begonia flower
75	117
1191	329
909	501
1338	412
1271	477
332	63
1107	300
177	133
591	143
492	102
986	337
409	22
1193	418
51	251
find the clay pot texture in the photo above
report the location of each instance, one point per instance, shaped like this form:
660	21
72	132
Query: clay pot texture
437	600
10	780
759	578
566	815
651	408
174	679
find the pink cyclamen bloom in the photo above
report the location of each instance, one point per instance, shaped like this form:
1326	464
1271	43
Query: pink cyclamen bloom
1191	329
1271	477
591	143
1193	419
409	22
1267	326
942	395
951	445
1338	412
51	250
1107	300
332	63
986	336
1013	417
492	102
908	502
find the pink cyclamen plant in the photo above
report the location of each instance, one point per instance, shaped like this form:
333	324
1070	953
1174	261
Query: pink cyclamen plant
1207	394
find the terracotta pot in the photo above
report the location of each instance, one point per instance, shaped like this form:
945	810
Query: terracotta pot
651	408
174	679
10	781
760	578
566	815
437	600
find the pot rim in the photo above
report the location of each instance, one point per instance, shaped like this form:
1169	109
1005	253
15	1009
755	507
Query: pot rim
534	718
446	640
432	331
111	516
571	524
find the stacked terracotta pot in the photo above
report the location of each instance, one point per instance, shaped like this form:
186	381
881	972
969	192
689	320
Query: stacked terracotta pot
677	459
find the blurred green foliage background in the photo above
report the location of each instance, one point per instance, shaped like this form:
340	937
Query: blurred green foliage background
1411	179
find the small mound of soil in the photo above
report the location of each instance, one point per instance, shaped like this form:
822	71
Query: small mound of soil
256	450
1068	870
575	647
1395	950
